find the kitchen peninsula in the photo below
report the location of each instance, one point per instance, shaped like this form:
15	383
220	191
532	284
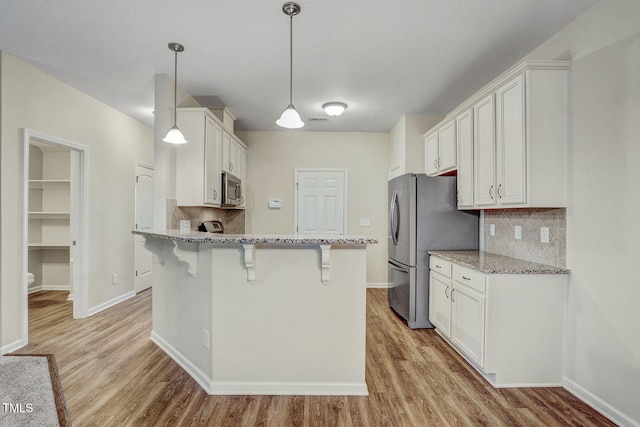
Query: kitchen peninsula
262	314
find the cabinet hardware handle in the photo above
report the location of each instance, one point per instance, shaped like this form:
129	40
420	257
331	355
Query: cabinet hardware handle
437	266
466	278
452	295
439	162
435	164
445	292
491	192
499	187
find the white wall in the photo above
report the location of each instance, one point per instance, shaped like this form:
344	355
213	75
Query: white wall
272	158
602	336
34	100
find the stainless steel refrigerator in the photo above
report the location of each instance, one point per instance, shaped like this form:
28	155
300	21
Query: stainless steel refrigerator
423	216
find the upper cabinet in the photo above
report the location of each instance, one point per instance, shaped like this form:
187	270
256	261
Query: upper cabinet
440	149
464	142
510	139
211	150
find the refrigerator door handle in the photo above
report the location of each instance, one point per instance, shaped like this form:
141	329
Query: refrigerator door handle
394	224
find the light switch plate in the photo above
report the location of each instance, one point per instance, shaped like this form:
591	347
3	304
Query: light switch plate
518	230
492	229
365	222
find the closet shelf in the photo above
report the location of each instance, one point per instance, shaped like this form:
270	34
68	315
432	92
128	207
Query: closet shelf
49	215
40	245
49	184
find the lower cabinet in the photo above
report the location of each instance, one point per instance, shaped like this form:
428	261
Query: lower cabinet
508	326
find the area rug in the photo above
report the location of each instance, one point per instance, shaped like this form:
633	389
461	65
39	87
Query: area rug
31	392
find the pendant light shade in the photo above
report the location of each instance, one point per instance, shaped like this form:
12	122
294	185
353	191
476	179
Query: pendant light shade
174	136
290	118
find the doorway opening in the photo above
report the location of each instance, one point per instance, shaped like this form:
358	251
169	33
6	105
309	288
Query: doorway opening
55	198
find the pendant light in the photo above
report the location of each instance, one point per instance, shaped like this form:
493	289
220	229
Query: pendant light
290	118
174	136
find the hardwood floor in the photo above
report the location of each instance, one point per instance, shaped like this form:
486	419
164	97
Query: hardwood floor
113	375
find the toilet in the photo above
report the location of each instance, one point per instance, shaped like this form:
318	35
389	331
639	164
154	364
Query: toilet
31	278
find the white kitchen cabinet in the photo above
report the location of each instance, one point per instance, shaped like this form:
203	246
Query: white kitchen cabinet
467	321
464	141
440	149
520	139
511	165
508	326
484	152
233	155
213	155
211	150
198	161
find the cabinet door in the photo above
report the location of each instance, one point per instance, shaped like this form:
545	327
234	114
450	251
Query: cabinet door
213	151
439	302
226	151
447	147
431	152
464	139
484	153
511	143
467	322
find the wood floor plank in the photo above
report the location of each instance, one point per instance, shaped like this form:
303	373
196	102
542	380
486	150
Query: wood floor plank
113	375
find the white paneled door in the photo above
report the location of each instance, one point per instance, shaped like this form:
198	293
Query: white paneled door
144	221
321	201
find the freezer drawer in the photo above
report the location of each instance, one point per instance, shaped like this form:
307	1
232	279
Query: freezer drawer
399	292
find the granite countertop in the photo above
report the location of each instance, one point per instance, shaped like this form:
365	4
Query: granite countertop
202	237
491	263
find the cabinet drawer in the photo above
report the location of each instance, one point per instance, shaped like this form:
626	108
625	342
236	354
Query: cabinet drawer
471	278
441	266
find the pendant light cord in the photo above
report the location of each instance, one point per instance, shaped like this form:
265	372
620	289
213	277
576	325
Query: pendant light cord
175	90
290	59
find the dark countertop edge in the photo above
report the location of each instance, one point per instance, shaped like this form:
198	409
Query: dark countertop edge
510	265
273	239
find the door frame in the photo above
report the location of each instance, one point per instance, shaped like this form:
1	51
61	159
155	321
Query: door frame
79	223
296	173
135	213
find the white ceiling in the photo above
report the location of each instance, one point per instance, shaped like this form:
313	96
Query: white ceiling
383	58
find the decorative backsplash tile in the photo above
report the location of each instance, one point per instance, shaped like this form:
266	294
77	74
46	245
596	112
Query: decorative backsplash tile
529	247
232	219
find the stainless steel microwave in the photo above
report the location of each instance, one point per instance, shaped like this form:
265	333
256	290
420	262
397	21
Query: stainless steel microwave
231	190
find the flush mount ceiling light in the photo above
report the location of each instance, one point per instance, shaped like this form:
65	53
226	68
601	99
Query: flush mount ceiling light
174	136
290	118
334	109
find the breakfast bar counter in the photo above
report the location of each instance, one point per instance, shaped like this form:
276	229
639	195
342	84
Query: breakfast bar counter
262	314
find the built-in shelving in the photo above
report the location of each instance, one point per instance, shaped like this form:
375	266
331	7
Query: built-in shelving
49	184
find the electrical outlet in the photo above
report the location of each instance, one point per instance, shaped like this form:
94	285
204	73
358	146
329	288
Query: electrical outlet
205	339
114	278
365	222
492	229
544	234
518	230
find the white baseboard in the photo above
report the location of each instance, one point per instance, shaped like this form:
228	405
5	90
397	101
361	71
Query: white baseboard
378	285
35	289
257	388
289	389
196	373
11	347
598	404
108	304
56	288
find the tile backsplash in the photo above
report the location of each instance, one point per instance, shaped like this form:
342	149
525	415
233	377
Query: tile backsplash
232	219
529	247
